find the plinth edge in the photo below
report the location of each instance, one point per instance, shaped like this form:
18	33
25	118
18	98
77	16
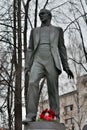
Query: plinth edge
45	125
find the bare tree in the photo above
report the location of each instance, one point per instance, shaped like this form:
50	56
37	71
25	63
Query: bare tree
18	65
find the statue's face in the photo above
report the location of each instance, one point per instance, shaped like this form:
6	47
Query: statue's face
44	15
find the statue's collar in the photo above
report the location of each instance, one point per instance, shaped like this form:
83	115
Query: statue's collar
43	25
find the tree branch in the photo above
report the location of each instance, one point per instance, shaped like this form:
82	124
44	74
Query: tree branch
46	4
79	63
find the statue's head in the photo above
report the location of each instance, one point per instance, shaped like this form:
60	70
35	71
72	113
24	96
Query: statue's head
44	15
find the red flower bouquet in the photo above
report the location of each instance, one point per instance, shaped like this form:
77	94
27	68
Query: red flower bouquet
48	115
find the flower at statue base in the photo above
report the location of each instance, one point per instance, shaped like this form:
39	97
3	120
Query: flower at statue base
48	115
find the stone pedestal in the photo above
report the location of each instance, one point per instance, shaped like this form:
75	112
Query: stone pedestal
44	125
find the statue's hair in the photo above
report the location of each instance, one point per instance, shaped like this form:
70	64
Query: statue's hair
47	11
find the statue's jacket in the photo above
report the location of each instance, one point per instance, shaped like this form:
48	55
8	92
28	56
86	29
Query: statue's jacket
57	45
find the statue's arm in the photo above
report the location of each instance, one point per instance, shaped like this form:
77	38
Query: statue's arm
29	52
63	54
62	50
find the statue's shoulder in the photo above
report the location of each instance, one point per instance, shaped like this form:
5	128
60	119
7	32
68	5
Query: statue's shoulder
60	28
57	27
37	28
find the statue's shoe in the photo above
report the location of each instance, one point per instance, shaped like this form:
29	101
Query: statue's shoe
27	120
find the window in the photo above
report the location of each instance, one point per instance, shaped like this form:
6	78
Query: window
69	121
68	108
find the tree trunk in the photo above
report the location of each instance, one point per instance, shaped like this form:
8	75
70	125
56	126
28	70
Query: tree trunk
25	49
36	11
18	65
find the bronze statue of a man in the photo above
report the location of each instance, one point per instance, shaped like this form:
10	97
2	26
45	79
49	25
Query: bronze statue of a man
45	52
